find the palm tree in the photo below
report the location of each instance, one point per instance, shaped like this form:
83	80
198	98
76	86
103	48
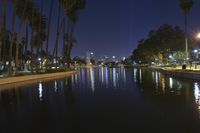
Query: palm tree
71	10
55	50
3	26
12	37
186	5
49	28
21	8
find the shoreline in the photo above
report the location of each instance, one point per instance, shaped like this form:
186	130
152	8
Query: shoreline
186	74
32	78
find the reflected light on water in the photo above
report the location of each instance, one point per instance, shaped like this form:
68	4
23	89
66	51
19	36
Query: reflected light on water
92	78
196	92
152	74
124	75
163	83
135	74
106	75
157	80
197	95
114	77
102	74
170	83
76	78
140	75
40	91
55	86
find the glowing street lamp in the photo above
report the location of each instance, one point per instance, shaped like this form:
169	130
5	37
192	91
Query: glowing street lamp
198	36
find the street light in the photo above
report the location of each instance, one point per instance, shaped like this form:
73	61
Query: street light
195	51
198	36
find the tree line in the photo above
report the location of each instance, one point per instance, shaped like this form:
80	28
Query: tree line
161	45
17	49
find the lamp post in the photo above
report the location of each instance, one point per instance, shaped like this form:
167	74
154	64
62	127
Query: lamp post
186	5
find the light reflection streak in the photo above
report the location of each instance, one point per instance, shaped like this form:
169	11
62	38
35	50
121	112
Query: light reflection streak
76	78
102	74
106	74
170	83
163	83
140	75
196	92
114	77
40	91
152	74
124	75
135	74
92	78
157	80
55	86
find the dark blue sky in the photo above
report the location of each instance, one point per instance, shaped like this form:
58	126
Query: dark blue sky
113	27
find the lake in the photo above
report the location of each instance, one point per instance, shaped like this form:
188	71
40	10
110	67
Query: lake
103	100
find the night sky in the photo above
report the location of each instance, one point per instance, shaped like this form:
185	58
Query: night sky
113	27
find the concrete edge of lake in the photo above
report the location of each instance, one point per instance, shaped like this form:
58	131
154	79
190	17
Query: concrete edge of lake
178	73
10	80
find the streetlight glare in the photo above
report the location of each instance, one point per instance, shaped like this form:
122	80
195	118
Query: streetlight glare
198	35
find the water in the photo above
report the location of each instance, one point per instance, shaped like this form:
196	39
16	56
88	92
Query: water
102	100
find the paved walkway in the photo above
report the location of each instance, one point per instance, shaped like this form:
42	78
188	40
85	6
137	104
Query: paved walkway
11	80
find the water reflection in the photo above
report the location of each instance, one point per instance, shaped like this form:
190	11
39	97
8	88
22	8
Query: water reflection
108	77
170	83
92	78
40	90
72	104
114	77
161	83
55	86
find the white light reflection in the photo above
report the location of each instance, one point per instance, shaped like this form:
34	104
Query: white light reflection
40	91
135	73
102	74
170	83
196	92
76	78
114	77
157	80
92	78
55	86
106	74
124	75
140	75
152	74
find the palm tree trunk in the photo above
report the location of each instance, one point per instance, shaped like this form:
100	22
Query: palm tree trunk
19	37
70	43
48	31
186	39
37	54
57	35
3	26
39	31
11	39
31	42
27	30
17	46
